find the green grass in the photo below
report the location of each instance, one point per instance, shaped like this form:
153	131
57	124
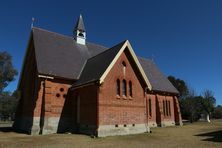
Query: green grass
200	134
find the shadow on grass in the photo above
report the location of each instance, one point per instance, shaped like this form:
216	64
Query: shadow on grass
212	136
6	129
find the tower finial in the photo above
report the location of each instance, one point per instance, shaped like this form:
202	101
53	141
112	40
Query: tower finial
153	58
80	31
32	24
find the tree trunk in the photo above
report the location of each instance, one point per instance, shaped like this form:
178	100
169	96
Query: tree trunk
208	117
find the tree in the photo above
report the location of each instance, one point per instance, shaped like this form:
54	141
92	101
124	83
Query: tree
217	113
186	97
196	108
8	103
208	103
7	71
191	106
180	85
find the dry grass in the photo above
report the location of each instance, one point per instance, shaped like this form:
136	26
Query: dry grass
195	135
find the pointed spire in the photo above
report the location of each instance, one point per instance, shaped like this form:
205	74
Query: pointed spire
32	24
80	25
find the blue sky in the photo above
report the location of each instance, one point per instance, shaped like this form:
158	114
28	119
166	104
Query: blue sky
184	37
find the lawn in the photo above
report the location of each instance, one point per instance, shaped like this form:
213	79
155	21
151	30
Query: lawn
200	134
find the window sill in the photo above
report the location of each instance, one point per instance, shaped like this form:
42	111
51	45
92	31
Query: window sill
124	97
167	116
117	96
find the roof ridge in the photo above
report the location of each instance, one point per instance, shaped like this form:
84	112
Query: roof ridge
82	68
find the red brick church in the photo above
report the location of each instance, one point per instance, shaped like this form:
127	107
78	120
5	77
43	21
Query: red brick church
68	84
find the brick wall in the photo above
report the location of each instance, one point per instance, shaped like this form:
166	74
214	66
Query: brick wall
177	113
28	87
28	90
168	116
53	92
118	109
151	115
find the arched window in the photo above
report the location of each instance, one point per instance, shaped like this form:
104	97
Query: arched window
130	89
150	107
118	87
164	113
169	108
81	34
124	64
124	68
124	88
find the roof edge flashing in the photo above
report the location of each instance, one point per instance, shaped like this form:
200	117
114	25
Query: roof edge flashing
126	44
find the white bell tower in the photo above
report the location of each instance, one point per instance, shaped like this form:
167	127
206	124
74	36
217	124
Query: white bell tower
80	32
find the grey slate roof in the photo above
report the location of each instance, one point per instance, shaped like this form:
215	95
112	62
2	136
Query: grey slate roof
59	55
97	65
80	24
158	81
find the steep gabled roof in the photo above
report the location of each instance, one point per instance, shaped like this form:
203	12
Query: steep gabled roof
97	65
59	55
158	81
97	68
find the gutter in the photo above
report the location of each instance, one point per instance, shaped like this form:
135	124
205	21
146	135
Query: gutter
46	77
84	84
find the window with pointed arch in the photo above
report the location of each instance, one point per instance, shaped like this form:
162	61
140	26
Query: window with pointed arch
118	87
124	67
164	108
124	64
124	88
150	108
130	89
81	34
169	108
